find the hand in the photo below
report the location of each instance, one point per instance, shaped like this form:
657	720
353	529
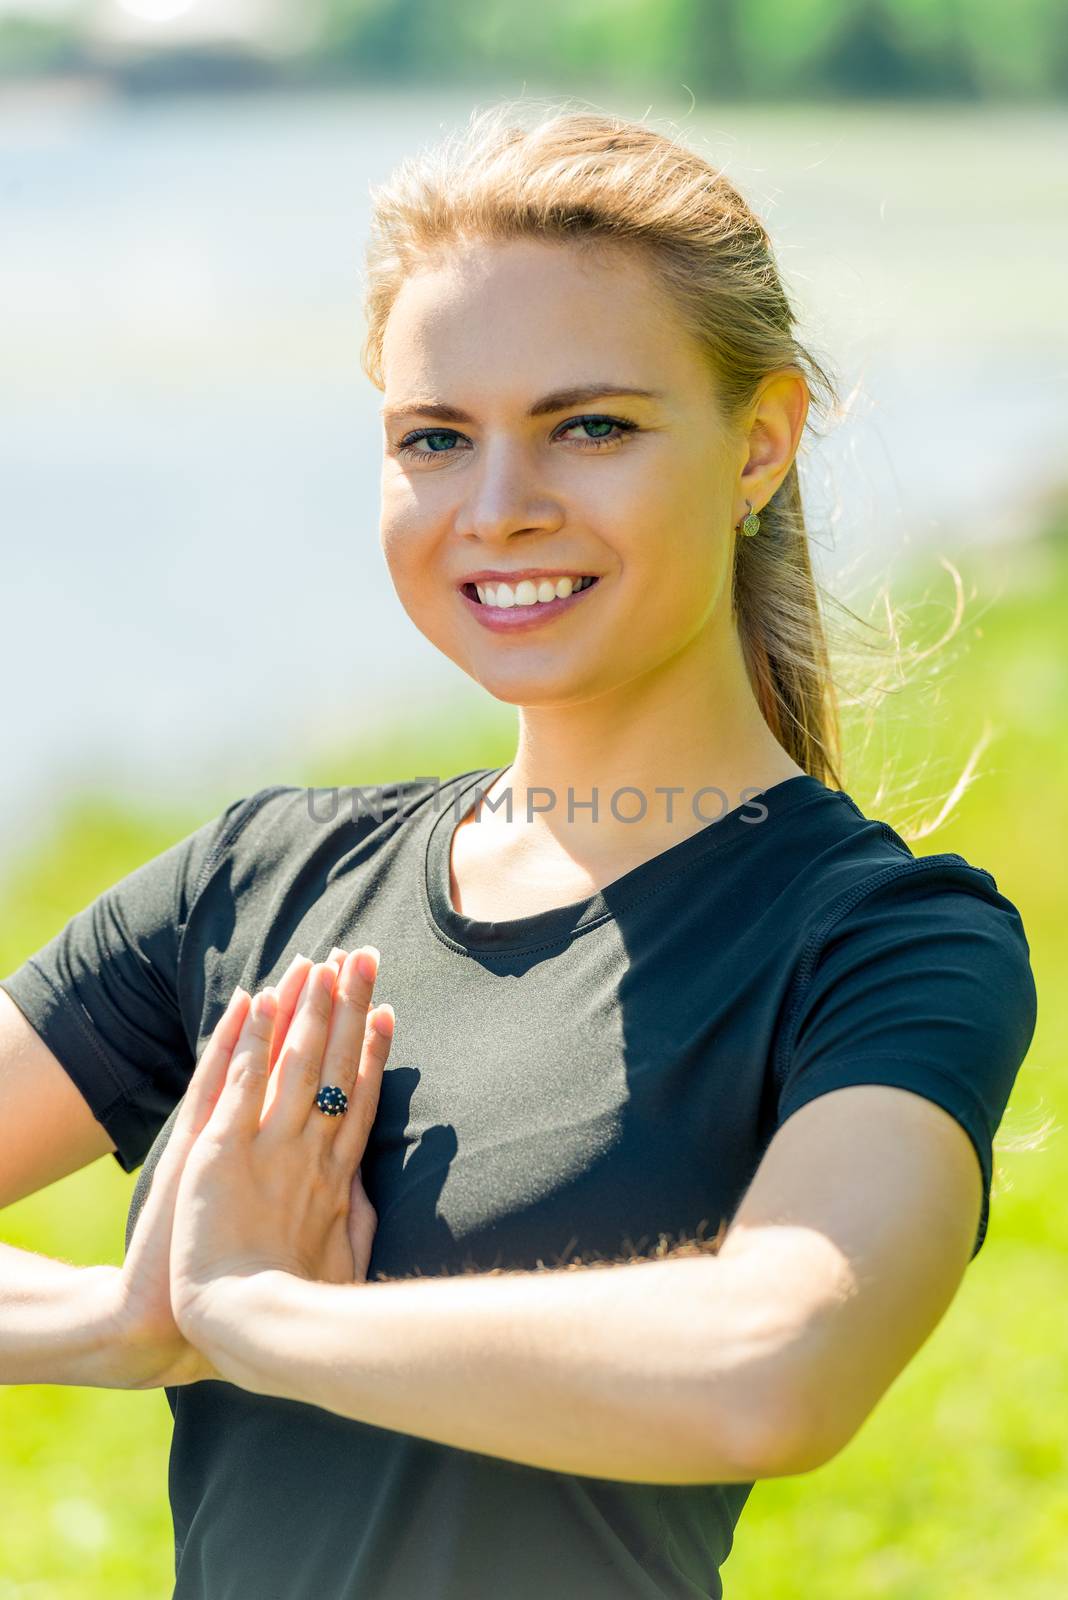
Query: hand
155	1352
272	1183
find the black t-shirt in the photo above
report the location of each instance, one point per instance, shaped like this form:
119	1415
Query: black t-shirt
574	1083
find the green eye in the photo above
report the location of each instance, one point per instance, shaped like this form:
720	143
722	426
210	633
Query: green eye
618	423
407	444
442	441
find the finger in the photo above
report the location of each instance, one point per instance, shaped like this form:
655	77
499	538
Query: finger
203	1090
348	1023
350	1141
299	1064
290	989
290	986
209	1075
239	1106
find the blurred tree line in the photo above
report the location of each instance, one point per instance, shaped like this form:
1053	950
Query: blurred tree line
962	49
745	49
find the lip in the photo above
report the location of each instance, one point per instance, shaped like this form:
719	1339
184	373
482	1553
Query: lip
521	619
517	574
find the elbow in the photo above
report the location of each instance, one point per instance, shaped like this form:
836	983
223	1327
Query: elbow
749	1438
772	1380
784	1431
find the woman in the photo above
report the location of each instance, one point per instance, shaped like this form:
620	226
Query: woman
670	1006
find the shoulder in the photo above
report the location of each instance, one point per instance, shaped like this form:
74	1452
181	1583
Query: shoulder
875	916
859	866
892	940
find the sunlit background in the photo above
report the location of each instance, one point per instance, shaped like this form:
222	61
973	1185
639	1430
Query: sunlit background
195	604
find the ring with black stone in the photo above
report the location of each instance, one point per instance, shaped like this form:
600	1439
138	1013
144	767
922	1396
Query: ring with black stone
332	1102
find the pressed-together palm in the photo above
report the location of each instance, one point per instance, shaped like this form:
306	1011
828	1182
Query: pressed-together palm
156	1352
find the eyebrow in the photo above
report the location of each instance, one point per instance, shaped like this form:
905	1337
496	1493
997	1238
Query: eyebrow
558	400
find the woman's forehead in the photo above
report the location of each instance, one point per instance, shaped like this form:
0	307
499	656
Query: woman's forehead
539	322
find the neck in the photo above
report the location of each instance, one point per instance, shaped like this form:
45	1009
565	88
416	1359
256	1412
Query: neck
693	724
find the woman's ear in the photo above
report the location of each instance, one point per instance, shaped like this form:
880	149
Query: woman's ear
774	434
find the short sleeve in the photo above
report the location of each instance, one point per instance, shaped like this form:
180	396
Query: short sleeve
103	993
921	981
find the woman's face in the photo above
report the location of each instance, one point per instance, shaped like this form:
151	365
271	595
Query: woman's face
504	471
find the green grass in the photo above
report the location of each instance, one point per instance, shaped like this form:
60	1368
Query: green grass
954	1486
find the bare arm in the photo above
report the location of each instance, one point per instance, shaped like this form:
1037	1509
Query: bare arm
56	1320
864	1210
639	1372
46	1128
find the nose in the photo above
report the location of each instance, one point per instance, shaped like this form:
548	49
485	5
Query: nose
502	495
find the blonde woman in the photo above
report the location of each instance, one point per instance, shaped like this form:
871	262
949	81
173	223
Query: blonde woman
683	1143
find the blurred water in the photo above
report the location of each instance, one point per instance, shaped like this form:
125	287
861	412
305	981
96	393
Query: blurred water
193	592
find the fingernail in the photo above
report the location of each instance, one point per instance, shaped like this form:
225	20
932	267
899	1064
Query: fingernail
367	962
233	998
266	1004
384	1022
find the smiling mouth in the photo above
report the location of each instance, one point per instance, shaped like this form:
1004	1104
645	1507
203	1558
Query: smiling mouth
471	591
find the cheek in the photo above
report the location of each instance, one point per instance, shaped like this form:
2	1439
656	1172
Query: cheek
679	555
403	550
415	574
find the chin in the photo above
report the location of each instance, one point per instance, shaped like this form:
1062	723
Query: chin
528	692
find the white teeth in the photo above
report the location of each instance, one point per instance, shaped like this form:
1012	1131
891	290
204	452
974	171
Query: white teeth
529	593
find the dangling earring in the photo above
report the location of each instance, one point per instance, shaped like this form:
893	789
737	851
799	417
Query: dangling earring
750	523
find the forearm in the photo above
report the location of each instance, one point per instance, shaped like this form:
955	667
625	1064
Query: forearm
644	1372
57	1321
